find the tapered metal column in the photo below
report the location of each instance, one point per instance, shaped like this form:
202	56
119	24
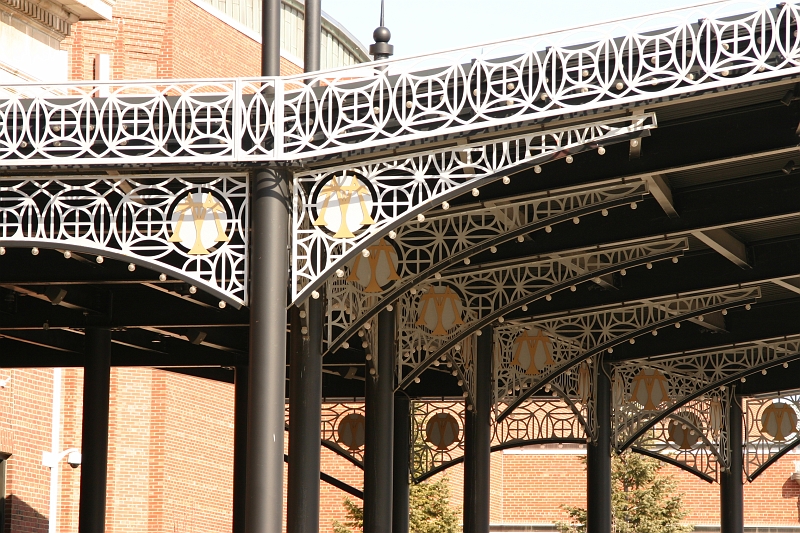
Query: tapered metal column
379	429
598	460
478	441
94	439
239	446
305	412
269	264
402	456
313	32
270	37
731	489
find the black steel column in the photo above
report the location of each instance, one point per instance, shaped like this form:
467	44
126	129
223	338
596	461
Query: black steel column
731	489
598	460
379	430
270	37
468	515
313	32
478	441
401	471
239	447
94	439
269	264
305	413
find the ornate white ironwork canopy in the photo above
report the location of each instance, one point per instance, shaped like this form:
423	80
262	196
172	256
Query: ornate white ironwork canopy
402	102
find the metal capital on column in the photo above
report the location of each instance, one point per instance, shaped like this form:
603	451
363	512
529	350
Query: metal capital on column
379	430
269	266
402	468
731	488
598	460
305	412
478	441
94	440
239	447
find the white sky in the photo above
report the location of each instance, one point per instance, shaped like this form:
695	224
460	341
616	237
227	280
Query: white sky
421	26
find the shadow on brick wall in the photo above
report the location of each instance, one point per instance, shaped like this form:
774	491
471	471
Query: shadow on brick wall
789	490
19	517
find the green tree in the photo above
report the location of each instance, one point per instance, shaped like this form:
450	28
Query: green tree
429	511
643	500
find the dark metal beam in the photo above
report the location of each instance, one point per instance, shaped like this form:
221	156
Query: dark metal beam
305	412
64	348
478	441
673	145
695	272
334	482
312	35
761	198
94	436
763	321
133	307
271	38
598	460
401	471
731	487
379	429
268	280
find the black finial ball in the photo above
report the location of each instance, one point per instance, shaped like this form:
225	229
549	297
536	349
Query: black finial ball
382	34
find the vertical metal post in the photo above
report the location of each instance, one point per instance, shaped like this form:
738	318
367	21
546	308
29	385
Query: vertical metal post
270	37
239	446
401	471
731	489
94	439
379	429
467	510
598	460
478	441
312	35
305	413
269	265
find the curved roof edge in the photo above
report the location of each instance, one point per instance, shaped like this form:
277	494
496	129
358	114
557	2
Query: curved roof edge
334	27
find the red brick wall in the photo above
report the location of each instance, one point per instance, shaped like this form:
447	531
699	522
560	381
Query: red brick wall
535	487
149	39
27	402
170	463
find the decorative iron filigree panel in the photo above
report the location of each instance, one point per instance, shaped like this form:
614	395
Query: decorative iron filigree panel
422	249
343	426
339	211
364	108
436	317
695	437
645	391
437	434
192	227
527	80
547	348
438	430
771	429
128	122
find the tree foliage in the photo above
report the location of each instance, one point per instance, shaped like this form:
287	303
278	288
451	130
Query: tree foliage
429	511
642	499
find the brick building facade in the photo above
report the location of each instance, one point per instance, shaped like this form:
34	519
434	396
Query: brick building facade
171	464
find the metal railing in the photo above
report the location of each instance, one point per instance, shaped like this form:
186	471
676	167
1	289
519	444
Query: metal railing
401	102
